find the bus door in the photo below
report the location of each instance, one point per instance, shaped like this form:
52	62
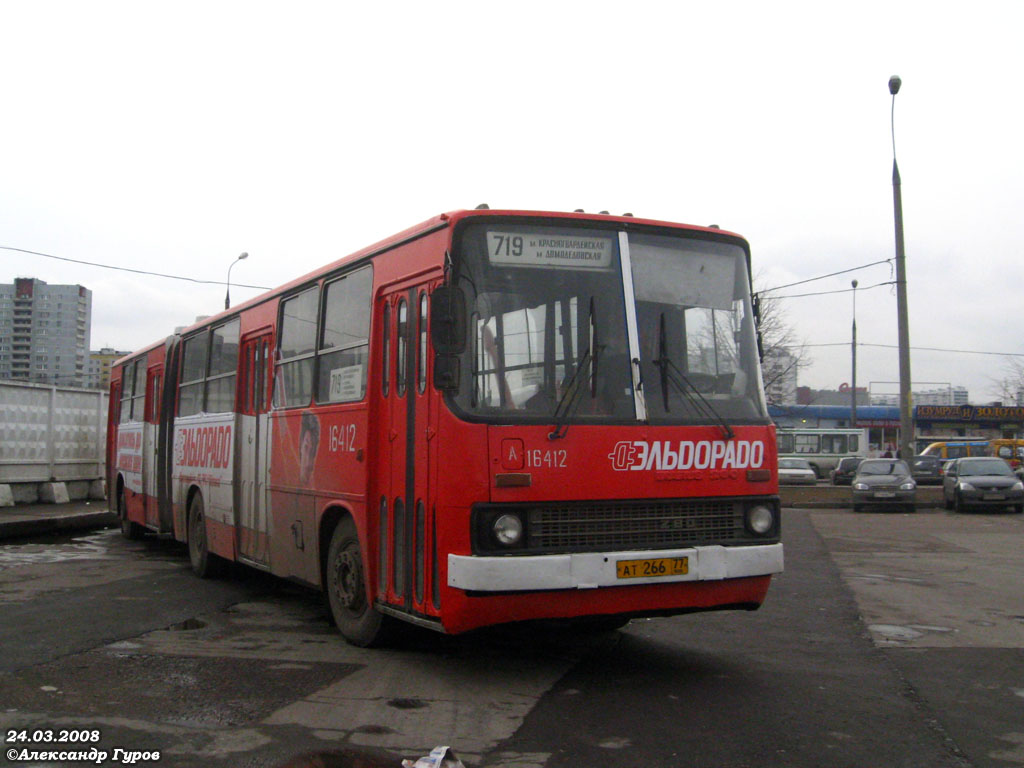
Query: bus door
150	442
164	409
253	438
406	564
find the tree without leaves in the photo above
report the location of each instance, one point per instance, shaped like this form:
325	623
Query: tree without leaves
1007	388
784	353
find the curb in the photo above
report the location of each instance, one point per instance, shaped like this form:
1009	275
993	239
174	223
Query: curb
33	523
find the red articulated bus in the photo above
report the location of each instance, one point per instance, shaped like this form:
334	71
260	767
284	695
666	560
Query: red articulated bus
494	416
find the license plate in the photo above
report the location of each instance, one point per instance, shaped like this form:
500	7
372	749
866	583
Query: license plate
885	494
994	497
652	568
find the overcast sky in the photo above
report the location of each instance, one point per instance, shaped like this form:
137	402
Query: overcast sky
171	137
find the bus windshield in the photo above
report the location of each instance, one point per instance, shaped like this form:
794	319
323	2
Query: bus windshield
600	326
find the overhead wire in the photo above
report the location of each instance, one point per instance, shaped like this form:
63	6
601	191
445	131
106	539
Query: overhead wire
824	277
867	288
838	290
129	269
920	349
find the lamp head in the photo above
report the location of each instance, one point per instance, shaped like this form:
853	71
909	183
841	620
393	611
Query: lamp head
243	255
853	283
894	84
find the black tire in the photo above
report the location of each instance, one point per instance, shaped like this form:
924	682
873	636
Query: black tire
598	624
1019	509
205	564
344	581
958	504
910	508
130	530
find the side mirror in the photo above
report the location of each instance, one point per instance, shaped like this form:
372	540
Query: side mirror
446	372
448	320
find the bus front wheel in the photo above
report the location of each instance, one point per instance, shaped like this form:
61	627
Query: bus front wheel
357	620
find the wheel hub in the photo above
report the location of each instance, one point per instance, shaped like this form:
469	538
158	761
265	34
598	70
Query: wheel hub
348	582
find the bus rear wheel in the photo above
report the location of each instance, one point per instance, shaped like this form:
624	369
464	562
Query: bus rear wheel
131	531
357	620
205	564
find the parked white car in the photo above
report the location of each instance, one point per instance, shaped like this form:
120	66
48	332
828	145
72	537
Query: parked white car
796	472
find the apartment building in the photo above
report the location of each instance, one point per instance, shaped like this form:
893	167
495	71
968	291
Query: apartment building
44	332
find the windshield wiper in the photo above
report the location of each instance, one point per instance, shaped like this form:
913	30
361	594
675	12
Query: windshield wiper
569	401
670	374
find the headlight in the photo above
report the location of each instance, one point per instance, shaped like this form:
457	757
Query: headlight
908	487
860	486
966	486
760	519
508	530
1018	486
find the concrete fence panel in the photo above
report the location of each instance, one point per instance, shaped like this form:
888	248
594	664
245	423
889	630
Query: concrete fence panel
51	434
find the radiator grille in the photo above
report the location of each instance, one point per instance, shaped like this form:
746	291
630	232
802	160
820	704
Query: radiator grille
634	525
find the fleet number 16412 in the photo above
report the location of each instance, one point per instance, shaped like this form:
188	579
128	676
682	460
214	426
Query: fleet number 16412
554	459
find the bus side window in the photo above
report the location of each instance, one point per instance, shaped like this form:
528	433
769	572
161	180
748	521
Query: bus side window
115	400
421	355
345	339
220	384
266	372
807	443
127	377
296	349
402	344
193	372
247	386
153	398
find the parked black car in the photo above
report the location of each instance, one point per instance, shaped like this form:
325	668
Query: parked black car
883	483
981	481
844	471
927	469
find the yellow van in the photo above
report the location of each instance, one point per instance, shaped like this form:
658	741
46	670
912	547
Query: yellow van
1010	450
954	449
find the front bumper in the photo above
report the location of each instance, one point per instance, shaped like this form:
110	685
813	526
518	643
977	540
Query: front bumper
887	496
991	498
590	570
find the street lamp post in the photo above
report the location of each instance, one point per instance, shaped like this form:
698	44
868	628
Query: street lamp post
906	422
227	294
853	360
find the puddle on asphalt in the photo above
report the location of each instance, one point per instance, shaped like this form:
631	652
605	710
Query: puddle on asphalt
896	633
59	549
407	703
187	625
